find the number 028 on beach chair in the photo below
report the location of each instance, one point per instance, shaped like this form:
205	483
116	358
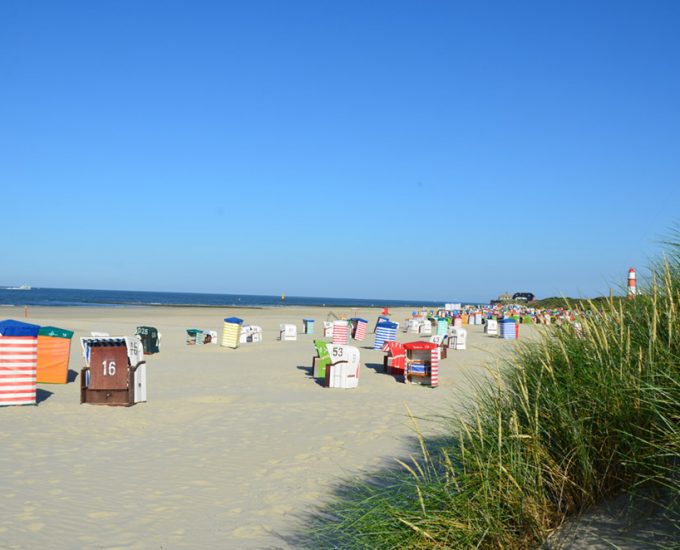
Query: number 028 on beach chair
115	373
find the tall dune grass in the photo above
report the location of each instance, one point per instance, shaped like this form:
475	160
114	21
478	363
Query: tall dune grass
573	419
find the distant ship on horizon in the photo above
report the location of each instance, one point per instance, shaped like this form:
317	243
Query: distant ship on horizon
22	287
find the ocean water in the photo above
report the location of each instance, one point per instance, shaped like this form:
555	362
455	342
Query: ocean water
71	297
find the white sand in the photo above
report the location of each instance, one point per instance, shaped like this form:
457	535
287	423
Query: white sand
232	447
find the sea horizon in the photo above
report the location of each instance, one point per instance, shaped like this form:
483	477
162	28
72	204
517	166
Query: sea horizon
79	297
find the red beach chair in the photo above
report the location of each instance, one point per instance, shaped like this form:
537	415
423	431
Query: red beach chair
393	362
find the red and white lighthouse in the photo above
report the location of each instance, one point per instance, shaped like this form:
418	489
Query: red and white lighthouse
632	283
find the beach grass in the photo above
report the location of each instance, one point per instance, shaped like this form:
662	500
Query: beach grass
577	417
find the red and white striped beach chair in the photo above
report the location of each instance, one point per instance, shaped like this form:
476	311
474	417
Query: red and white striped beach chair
18	363
422	363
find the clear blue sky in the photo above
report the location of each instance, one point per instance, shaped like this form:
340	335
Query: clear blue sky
420	150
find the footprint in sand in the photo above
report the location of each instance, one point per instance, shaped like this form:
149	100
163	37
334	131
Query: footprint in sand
274	498
213	399
202	483
248	532
311	496
160	509
279	510
102	515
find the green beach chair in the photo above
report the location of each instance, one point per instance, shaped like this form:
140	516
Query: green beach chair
322	360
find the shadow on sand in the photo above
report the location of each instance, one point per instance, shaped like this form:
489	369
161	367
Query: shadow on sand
631	522
42	395
309	371
319	526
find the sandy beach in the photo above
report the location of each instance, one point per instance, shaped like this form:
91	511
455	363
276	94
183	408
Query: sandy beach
232	448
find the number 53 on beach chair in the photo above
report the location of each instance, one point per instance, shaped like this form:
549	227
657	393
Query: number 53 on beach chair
115	372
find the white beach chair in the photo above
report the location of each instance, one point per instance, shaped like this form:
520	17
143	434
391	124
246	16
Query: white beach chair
287	332
413	326
457	338
425	327
491	327
343	371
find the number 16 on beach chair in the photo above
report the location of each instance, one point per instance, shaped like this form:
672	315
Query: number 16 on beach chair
115	372
343	370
